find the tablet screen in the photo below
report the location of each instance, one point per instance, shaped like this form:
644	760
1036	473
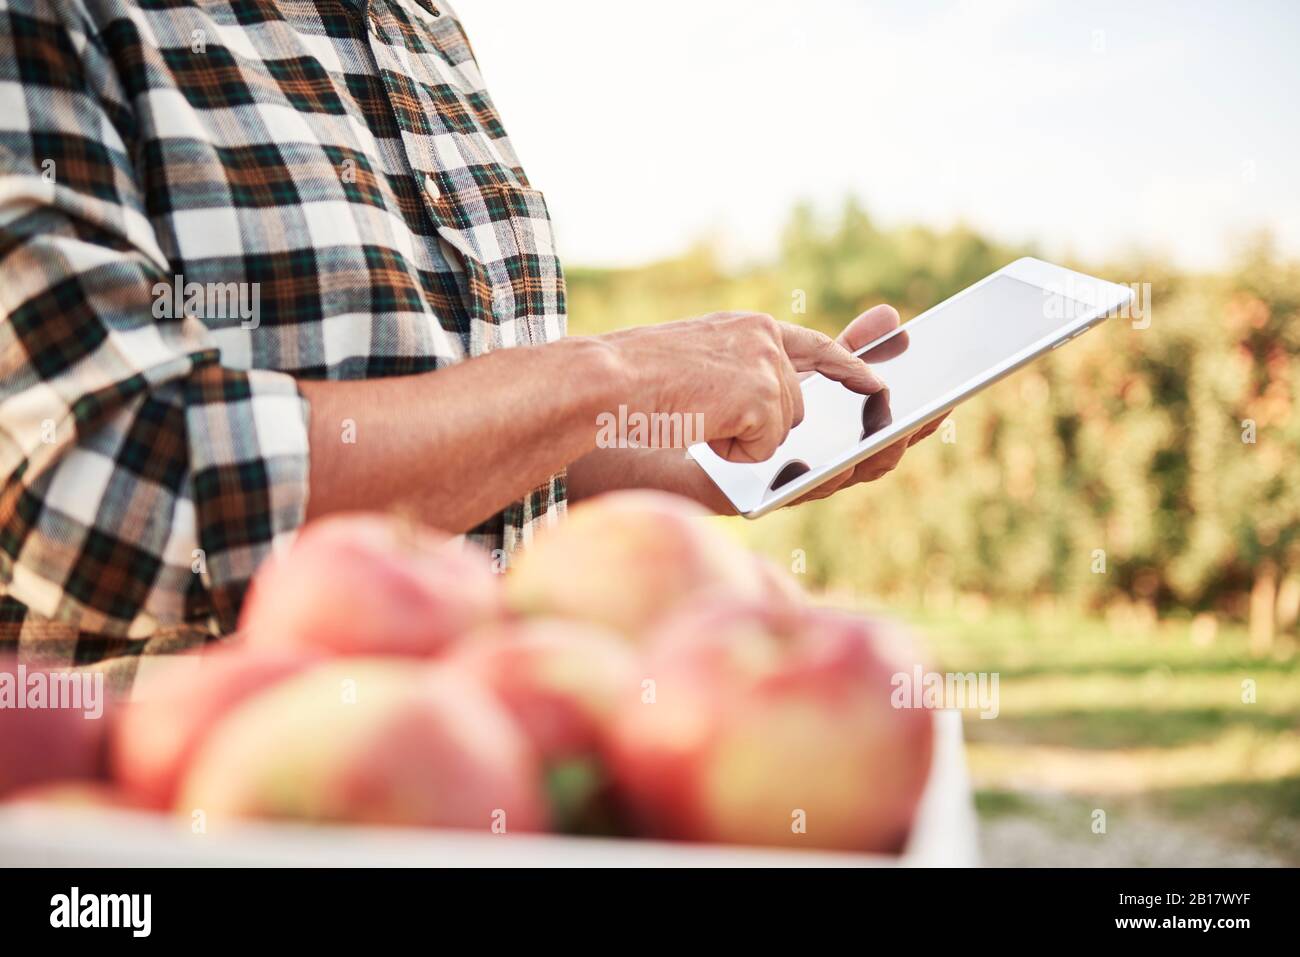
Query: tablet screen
959	342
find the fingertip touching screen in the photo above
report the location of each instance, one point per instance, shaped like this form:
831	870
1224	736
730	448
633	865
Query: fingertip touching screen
952	346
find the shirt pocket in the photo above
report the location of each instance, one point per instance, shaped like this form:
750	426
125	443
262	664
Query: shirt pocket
512	282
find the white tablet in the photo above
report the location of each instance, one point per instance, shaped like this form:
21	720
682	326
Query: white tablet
928	365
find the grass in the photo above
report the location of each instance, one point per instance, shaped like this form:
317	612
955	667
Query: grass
1135	718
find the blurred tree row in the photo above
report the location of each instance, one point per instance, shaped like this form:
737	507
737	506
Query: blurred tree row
1153	464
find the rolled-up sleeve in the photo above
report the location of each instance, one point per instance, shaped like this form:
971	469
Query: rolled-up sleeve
141	480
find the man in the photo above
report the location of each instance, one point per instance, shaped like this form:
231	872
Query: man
262	261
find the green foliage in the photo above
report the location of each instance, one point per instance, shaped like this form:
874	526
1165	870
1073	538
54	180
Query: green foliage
1128	444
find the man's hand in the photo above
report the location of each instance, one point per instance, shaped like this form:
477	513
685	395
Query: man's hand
729	366
872	324
739	370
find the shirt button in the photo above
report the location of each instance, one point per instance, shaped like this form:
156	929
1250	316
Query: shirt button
431	187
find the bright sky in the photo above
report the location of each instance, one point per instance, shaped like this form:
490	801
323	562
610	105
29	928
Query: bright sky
1091	127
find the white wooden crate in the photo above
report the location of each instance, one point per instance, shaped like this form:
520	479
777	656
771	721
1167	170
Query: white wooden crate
34	835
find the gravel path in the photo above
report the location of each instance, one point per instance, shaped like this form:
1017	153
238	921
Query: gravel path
1047	839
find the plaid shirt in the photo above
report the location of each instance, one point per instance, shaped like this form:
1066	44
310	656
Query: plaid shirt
202	201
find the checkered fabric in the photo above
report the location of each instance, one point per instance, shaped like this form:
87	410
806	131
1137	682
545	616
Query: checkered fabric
200	203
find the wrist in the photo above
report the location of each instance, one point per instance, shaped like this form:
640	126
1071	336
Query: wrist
597	373
637	380
673	470
698	486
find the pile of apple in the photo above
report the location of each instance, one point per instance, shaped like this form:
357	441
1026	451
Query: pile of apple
636	673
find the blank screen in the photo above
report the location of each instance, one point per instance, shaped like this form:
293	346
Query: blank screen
961	340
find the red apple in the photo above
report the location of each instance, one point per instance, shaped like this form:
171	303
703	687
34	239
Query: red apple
175	704
371	741
563	681
777	584
773	724
53	725
626	559
371	585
